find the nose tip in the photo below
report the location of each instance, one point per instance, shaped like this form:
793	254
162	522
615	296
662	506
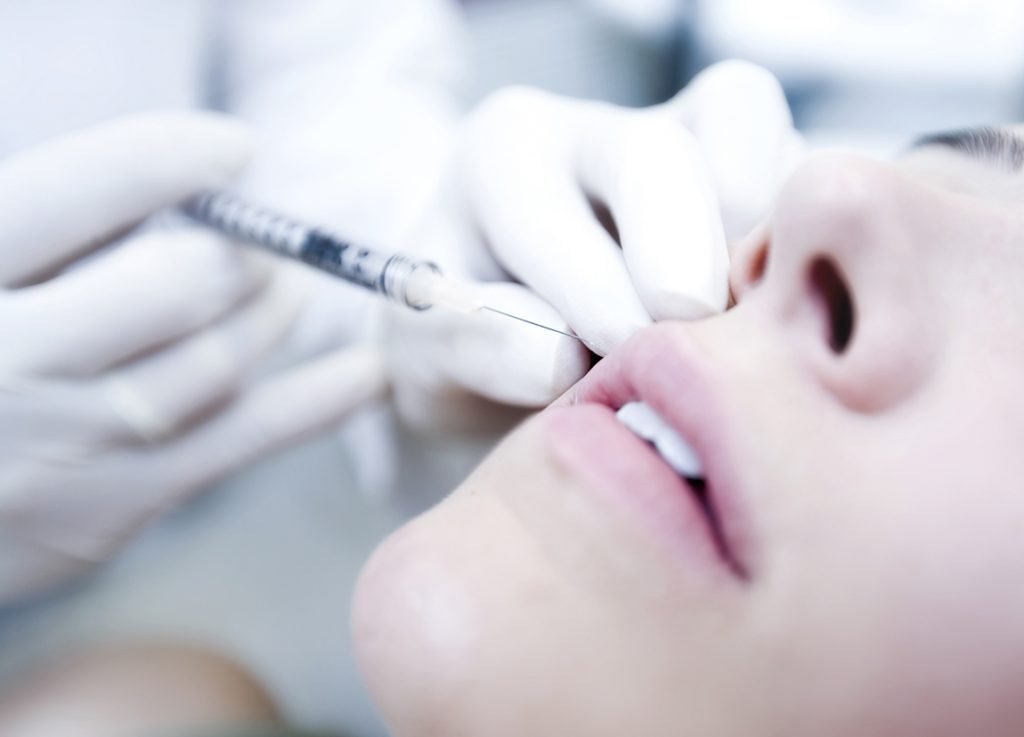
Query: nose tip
831	202
844	274
836	201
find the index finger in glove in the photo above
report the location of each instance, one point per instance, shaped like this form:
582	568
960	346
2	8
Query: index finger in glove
543	231
530	209
64	196
738	113
142	295
649	172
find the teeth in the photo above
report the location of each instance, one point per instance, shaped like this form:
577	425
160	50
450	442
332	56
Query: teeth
647	423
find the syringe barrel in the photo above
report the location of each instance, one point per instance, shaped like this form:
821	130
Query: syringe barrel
397	277
236	218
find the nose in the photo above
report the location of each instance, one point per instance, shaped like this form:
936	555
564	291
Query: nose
843	274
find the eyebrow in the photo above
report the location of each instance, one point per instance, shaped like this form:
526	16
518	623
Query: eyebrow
993	145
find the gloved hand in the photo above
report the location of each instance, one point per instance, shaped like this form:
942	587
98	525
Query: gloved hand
125	379
590	217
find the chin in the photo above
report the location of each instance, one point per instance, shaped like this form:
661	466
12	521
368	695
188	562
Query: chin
423	630
460	623
392	615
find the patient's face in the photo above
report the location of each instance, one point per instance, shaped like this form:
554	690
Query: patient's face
854	563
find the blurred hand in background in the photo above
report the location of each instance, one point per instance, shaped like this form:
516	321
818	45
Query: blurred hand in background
127	381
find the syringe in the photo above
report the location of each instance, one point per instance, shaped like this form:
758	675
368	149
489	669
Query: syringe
413	283
416	284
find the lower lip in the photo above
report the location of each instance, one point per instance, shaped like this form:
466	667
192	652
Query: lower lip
591	444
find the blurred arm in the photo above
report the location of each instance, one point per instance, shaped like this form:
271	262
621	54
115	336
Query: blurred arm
355	101
356	104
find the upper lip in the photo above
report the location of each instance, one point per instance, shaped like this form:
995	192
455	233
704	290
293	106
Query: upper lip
666	368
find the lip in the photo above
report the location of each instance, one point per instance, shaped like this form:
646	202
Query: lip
665	367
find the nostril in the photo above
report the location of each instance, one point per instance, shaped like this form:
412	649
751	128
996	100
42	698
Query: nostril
749	263
758	265
830	289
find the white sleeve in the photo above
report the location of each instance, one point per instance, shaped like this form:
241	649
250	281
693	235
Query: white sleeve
355	102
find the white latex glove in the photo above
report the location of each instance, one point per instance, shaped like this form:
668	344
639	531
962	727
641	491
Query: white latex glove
606	218
124	381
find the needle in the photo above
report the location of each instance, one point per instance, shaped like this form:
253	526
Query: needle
530	322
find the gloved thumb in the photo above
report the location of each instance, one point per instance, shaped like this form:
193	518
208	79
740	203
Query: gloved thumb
441	358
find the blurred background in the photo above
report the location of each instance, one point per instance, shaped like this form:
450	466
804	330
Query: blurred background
857	72
263	568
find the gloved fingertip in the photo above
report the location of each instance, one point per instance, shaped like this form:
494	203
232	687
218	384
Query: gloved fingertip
543	367
737	76
675	306
570	363
510	360
605	336
231	146
215	146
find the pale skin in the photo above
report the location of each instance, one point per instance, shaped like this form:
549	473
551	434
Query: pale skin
860	416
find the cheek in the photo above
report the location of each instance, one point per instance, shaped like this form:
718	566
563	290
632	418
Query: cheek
898	586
